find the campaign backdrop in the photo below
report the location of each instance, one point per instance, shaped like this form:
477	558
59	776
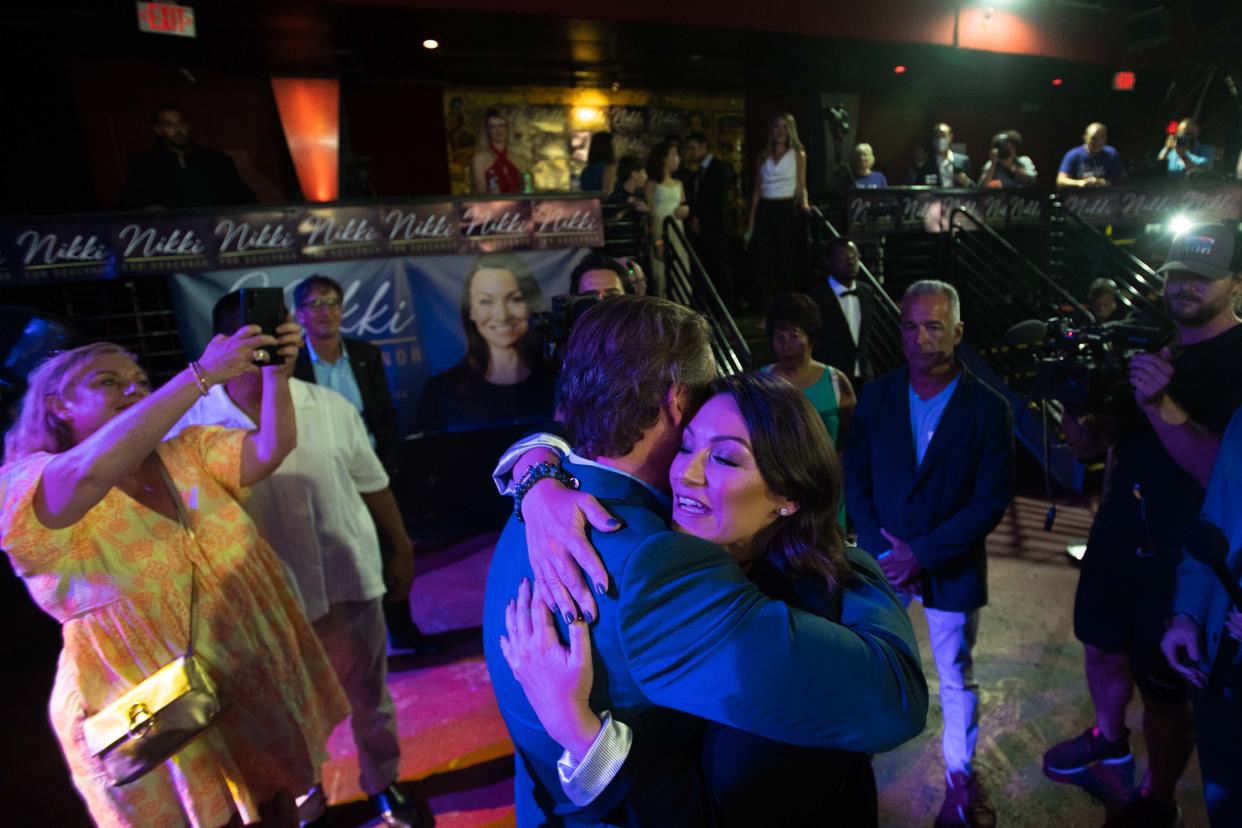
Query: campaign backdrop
411	307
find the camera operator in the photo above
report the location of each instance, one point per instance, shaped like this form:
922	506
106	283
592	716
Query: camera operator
1184	154
1006	167
1162	450
1197	642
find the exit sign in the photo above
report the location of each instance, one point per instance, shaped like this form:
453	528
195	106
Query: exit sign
1123	81
166	18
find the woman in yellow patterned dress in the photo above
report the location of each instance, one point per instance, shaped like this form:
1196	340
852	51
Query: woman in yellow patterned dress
91	526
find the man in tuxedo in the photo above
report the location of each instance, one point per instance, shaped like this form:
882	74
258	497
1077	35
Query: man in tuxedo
678	628
707	193
847	307
928	474
354	369
944	168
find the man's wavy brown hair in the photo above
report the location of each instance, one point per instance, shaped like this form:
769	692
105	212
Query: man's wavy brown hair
622	358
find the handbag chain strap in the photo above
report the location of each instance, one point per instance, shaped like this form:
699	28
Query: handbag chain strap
184	520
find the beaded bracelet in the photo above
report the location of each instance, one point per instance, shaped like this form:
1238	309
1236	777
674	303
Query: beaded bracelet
200	379
533	475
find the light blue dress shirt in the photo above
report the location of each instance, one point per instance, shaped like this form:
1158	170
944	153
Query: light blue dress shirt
339	376
925	416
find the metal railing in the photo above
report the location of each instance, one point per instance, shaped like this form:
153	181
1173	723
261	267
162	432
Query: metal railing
1000	287
1078	254
689	284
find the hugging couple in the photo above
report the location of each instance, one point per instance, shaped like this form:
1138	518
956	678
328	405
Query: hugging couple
729	661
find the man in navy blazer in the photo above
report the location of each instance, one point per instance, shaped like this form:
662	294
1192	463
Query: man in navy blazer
680	629
928	474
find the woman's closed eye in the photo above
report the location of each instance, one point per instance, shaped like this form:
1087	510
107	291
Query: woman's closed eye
725	459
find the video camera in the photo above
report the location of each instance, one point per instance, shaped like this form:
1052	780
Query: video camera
1084	367
556	324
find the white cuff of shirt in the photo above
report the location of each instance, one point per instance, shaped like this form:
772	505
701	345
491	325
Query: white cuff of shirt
585	779
502	475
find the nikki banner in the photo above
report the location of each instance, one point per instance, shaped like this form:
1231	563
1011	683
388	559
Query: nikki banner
84	248
919	210
460	335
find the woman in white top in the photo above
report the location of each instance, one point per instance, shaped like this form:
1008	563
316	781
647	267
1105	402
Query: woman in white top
667	198
776	231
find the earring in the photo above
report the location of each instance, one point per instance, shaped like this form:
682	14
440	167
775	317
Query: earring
784	512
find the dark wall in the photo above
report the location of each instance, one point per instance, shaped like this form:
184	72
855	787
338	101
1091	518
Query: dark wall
399	126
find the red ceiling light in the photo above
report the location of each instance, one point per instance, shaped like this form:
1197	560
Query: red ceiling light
1171	128
1058	81
899	70
1124	81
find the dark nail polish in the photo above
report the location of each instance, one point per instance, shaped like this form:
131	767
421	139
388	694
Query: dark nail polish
613	523
588	616
556	609
599	589
569	618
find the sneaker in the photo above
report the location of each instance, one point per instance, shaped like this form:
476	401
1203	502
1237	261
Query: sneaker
965	803
1084	751
1145	812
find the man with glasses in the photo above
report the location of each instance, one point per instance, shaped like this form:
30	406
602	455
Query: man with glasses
354	369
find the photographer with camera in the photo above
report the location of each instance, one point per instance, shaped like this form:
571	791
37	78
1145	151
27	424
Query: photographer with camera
1006	167
1184	154
1162	449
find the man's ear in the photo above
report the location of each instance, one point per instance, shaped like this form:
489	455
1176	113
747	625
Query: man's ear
677	402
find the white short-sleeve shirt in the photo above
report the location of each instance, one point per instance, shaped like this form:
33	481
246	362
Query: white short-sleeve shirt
311	509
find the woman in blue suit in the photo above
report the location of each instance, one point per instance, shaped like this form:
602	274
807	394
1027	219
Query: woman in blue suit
757	475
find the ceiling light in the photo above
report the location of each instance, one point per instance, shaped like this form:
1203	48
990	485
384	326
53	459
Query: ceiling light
431	43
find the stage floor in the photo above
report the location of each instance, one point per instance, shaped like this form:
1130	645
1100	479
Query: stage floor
458	761
1029	666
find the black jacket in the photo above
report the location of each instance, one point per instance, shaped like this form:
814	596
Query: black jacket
378	411
707	194
833	343
200	178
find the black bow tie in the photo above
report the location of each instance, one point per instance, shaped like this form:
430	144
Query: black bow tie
848	293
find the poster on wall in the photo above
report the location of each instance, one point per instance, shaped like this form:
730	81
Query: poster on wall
550	128
460	335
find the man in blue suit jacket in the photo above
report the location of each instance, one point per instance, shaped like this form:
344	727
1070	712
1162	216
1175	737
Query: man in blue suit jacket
1198	638
681	630
928	474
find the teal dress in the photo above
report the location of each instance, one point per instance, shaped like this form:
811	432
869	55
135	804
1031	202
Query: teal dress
823	395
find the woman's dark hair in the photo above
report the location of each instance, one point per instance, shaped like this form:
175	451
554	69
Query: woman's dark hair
627	166
794	310
796	459
601	149
656	158
478	355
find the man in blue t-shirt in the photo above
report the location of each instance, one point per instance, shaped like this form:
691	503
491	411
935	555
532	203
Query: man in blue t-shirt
865	176
1093	164
1183	153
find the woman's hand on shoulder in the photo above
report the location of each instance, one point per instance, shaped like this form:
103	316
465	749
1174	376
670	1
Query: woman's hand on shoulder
556	679
556	518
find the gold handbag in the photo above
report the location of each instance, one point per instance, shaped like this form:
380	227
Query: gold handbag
156	718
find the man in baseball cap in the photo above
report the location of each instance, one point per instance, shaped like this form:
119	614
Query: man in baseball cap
1164	448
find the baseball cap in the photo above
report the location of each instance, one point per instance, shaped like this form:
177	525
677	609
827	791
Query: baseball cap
1208	250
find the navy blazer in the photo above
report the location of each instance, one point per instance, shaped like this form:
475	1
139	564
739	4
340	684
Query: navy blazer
945	507
378	411
683	629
